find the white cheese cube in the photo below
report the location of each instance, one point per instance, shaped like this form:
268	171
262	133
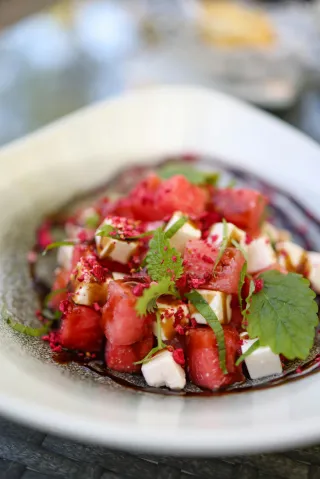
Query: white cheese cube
260	254
292	257
262	362
219	303
275	234
162	370
314	270
168	311
115	249
216	234
64	256
184	234
86	289
117	276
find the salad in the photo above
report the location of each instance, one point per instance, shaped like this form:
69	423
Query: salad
180	280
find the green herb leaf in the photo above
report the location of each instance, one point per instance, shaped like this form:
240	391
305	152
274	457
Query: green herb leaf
223	245
232	183
147	302
283	315
21	328
252	287
57	244
52	294
251	350
106	231
203	307
162	260
159	346
193	175
242	278
92	221
110	231
243	271
176	226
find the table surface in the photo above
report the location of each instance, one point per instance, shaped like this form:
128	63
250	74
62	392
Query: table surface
49	68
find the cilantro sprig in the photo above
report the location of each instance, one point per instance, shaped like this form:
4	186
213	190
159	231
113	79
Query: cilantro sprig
193	175
162	260
203	307
283	315
147	302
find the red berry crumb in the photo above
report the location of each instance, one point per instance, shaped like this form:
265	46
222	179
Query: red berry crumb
138	289
258	283
178	356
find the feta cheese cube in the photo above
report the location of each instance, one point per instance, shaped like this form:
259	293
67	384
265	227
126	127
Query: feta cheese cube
314	270
184	234
86	289
262	362
274	234
216	234
162	370
64	256
170	310
260	254
219	303
117	276
115	249
292	257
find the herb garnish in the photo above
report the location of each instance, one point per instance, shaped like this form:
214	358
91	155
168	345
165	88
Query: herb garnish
35	332
92	221
110	231
223	245
147	303
161	345
57	244
162	260
176	226
203	307
194	176
283	315
249	351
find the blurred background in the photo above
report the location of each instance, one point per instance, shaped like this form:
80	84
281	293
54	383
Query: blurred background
57	56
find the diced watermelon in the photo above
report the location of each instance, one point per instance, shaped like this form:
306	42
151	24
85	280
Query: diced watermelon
203	358
80	251
154	199
122	358
122	325
199	259
178	194
242	207
143	200
81	329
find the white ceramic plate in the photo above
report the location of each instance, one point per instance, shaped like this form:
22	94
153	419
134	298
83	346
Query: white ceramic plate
40	172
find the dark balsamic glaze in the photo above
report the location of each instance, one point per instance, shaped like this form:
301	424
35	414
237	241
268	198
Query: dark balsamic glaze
120	183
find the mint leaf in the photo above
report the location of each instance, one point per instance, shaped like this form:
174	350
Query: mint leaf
283	315
52	294
193	175
162	260
147	302
110	231
203	307
242	278
21	328
176	226
160	345
223	245
57	244
252	288
92	221
249	351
